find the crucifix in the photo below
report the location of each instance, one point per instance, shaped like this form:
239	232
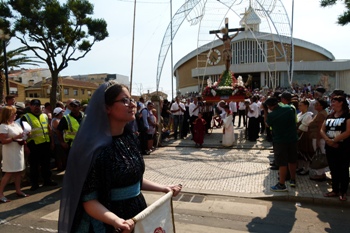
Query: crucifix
226	39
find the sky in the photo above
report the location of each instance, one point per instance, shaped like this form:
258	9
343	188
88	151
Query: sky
113	55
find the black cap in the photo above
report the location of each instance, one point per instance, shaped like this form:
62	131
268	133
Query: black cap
75	102
320	90
35	102
277	94
286	95
272	101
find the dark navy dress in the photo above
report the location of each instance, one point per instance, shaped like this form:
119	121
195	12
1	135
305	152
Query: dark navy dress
116	168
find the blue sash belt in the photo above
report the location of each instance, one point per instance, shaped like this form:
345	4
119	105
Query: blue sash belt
124	193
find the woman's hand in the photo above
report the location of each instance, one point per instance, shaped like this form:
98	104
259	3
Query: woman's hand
152	186
19	136
124	226
332	143
176	189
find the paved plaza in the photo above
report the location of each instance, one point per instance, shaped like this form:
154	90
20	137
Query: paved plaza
241	170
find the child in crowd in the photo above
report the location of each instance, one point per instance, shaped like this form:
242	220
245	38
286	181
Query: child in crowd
199	130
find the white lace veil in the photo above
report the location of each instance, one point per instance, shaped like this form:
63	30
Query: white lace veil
94	132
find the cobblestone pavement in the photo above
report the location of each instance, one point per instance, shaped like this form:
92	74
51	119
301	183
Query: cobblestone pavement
242	170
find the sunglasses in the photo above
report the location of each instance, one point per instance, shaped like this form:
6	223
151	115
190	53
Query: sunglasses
126	101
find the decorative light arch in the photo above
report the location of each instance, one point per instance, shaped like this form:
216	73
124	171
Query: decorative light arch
204	13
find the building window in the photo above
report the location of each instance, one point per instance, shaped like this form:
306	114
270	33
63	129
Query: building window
31	95
75	92
66	91
248	51
82	91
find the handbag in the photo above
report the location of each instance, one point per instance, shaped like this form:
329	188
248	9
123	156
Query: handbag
319	160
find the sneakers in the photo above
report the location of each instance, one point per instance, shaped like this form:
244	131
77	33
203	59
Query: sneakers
292	183
279	188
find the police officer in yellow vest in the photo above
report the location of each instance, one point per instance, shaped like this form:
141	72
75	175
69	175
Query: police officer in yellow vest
69	125
39	145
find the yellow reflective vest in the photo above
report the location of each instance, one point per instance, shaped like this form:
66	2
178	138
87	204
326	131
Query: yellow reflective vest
73	126
40	128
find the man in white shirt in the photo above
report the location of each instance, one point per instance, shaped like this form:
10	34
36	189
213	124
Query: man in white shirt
194	110
318	93
233	109
242	114
177	109
253	115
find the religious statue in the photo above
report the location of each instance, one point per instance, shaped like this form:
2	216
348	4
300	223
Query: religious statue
227	52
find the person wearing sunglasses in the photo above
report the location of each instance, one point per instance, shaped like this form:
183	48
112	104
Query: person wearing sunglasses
104	175
336	133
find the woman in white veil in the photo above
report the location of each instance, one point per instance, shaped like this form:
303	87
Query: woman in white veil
95	167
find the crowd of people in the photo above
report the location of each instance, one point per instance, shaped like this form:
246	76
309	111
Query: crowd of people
298	122
107	139
32	135
298	125
99	152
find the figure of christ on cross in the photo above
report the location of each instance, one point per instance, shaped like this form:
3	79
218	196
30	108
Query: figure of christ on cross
226	39
227	52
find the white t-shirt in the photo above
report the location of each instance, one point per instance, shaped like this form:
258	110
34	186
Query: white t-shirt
176	106
233	106
191	108
255	108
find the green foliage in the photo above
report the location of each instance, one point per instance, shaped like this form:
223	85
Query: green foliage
224	92
345	17
226	79
16	58
85	102
55	32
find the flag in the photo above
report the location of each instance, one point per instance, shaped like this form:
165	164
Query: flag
156	218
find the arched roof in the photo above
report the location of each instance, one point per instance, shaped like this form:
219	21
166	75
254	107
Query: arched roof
262	37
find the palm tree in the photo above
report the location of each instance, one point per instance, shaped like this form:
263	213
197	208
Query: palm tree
15	58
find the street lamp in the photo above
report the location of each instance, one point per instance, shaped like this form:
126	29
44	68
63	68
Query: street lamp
4	37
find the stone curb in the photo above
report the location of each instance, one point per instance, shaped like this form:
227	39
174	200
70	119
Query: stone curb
278	196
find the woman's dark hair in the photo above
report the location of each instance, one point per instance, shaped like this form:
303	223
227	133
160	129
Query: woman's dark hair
226	107
345	106
112	91
271	101
323	103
